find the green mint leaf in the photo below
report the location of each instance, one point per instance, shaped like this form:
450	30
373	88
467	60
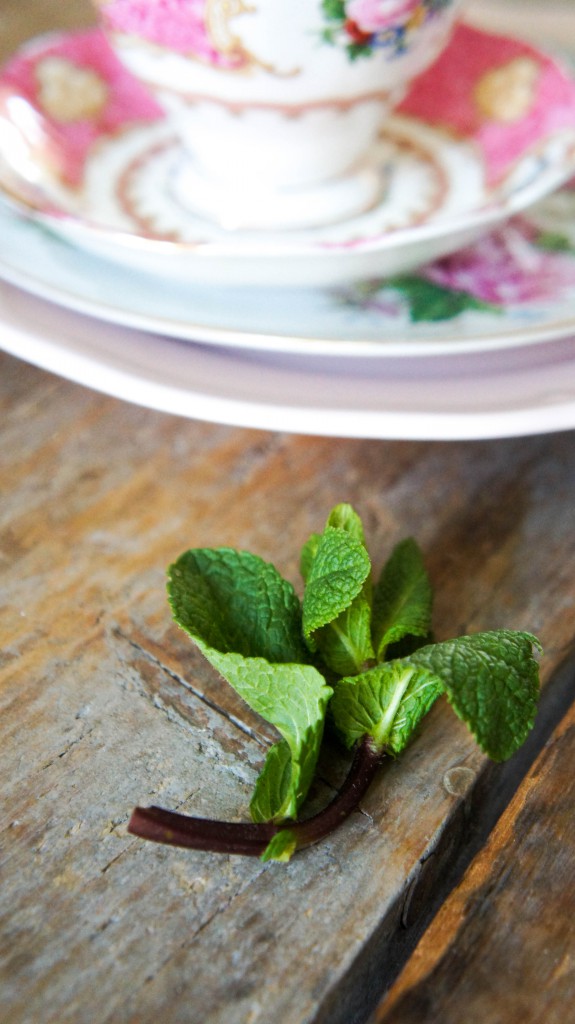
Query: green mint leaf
345	644
338	572
246	621
294	699
236	602
492	682
386	703
308	553
344	517
272	795
337	599
281	847
402	598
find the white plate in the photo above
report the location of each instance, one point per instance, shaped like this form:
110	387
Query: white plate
114	196
531	291
513	393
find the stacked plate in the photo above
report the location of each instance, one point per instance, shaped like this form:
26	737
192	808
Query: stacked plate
445	311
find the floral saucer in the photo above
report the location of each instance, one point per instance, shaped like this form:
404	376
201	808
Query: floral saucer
512	288
85	151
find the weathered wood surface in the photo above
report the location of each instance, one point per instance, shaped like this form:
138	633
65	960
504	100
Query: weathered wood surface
104	704
503	945
21	19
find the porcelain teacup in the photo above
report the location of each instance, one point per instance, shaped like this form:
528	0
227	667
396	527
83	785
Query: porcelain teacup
278	102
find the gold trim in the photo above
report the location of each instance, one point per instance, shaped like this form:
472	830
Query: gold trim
226	43
439	188
288	110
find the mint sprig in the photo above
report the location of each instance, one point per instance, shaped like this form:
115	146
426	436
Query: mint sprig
332	656
246	620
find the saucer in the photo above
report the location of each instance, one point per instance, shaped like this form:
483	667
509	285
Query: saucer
513	287
478	396
85	152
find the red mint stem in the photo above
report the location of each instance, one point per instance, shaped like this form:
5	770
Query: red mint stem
200	833
251	838
366	761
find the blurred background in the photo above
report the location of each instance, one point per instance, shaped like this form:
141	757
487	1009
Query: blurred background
542	20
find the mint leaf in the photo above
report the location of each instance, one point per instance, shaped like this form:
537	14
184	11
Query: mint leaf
294	699
308	553
273	789
402	598
236	602
338	572
246	621
344	517
386	703
341	517
337	599
345	644
492	682
281	847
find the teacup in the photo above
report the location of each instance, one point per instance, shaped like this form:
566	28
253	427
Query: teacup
278	102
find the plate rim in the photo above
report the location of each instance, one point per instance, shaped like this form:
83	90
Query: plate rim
160	374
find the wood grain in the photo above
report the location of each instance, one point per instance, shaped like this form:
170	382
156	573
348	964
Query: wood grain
104	704
503	946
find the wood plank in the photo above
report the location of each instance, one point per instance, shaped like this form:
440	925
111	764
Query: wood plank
104	704
503	945
23	19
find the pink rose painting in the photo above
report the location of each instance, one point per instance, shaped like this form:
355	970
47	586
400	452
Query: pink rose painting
506	268
363	26
516	268
378	15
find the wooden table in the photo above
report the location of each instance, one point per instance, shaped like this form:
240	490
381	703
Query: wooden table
105	704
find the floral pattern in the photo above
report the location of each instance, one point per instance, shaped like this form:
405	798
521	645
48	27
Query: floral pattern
81	93
201	28
195	28
514	266
500	92
362	26
69	93
520	267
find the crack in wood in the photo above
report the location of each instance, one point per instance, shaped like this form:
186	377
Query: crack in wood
63	753
198	694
